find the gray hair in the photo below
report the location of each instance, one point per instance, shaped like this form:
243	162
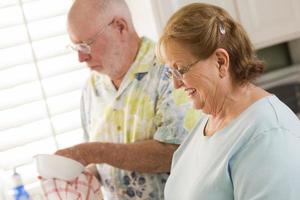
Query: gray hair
103	10
112	8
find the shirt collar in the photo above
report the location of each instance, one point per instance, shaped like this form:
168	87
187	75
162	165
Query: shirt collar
144	58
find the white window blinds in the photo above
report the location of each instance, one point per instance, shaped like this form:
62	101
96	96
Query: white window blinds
40	86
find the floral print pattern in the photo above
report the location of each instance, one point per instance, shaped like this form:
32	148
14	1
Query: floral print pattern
144	107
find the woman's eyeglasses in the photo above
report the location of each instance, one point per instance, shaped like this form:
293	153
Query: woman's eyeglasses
178	73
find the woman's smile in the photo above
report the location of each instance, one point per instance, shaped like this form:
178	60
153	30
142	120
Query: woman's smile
191	92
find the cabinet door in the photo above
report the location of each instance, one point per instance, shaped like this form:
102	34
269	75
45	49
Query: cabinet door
163	9
270	21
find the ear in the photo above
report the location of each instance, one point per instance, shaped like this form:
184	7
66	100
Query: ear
121	25
222	58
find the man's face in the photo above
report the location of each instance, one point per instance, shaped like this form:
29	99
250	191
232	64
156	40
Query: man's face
99	47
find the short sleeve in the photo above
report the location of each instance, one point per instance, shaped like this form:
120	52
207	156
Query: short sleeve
268	167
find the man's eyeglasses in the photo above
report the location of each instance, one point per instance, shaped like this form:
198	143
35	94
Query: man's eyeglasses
85	47
178	73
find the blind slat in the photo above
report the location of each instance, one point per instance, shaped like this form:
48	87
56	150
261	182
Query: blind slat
40	85
15	55
66	121
63	83
25	134
53	46
20	95
20	74
5	3
35	10
59	65
64	103
11	16
23	114
55	26
24	154
13	36
70	138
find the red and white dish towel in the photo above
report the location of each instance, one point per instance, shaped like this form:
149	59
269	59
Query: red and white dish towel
84	187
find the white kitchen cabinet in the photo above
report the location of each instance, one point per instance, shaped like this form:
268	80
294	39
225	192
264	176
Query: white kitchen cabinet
163	9
268	22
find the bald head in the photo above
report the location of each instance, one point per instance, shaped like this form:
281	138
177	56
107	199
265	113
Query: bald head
106	27
90	13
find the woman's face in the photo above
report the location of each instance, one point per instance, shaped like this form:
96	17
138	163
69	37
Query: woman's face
201	81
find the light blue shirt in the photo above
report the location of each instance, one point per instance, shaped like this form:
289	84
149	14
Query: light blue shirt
256	156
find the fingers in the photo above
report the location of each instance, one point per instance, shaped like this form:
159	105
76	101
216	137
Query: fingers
64	152
73	153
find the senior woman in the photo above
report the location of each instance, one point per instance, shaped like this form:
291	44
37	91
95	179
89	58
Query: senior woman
248	144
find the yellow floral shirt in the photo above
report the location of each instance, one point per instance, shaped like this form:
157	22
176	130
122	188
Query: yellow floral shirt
144	107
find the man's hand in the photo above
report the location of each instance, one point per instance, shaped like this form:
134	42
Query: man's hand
78	152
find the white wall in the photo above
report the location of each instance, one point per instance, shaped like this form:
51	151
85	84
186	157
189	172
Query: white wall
143	18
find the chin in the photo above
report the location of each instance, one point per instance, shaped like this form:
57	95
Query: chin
197	105
97	69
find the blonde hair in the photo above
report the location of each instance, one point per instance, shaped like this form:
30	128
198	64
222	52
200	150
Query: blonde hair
202	28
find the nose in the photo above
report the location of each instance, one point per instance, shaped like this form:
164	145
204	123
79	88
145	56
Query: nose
177	83
83	57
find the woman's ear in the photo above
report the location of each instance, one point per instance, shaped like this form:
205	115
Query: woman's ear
222	61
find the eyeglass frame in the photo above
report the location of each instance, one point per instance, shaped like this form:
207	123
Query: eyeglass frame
79	47
178	73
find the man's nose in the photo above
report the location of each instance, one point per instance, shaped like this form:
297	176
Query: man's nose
83	57
177	83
